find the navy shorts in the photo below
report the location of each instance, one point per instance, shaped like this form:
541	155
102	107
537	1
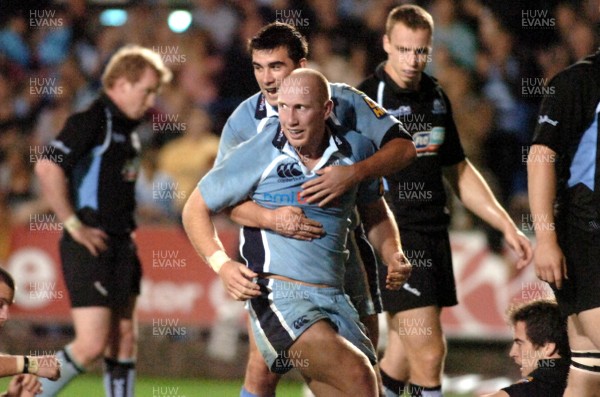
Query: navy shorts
109	279
581	291
431	282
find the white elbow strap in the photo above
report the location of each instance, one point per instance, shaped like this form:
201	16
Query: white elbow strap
586	360
217	260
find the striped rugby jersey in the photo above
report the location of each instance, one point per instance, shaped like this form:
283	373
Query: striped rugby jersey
267	170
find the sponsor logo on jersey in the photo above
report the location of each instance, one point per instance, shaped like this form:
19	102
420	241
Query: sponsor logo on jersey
291	197
261	109
289	170
545	119
401	111
438	107
429	142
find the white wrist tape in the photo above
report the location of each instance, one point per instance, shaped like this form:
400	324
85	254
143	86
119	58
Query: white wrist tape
72	223
217	260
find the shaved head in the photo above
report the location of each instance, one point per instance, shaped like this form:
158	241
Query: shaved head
308	81
304	105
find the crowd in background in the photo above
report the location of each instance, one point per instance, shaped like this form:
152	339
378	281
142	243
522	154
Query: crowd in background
493	58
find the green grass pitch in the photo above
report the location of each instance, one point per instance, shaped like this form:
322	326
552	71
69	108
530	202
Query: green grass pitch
91	386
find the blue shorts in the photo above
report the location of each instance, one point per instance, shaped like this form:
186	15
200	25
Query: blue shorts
286	309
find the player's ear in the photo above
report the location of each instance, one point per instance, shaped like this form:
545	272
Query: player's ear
302	62
549	349
387	46
328	108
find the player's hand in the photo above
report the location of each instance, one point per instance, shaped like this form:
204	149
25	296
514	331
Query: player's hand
331	184
520	244
399	269
291	222
237	280
23	385
92	238
550	262
48	367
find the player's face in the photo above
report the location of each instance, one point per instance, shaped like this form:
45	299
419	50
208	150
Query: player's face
270	68
523	352
6	298
301	114
136	98
408	53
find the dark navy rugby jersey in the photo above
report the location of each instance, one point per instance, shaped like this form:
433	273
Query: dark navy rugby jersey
99	151
416	194
548	380
268	170
568	124
352	110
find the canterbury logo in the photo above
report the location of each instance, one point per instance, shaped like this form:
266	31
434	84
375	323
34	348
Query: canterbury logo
545	119
289	170
300	322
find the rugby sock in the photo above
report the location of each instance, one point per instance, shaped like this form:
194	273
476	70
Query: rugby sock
119	377
391	386
69	369
246	393
421	391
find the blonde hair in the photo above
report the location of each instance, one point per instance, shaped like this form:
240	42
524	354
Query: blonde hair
131	62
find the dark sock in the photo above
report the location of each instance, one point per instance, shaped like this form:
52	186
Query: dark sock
119	377
391	386
421	391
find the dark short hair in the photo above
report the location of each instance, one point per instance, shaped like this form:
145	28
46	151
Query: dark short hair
412	16
543	324
6	278
279	34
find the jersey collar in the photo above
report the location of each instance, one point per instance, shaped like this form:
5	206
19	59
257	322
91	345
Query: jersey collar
337	144
263	109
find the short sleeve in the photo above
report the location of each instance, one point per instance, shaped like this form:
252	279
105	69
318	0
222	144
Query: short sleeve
76	140
356	111
451	151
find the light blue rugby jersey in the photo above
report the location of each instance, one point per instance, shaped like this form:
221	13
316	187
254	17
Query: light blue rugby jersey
267	170
353	110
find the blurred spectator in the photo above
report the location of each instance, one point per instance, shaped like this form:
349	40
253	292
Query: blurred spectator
198	74
7	98
473	114
13	44
18	186
336	67
575	30
504	71
154	191
552	59
453	35
236	81
218	18
53	37
189	157
71	92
